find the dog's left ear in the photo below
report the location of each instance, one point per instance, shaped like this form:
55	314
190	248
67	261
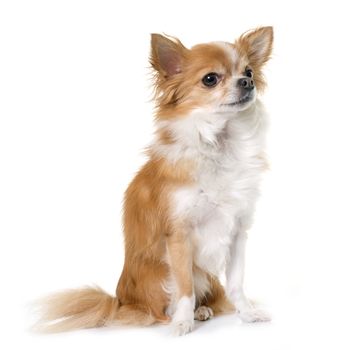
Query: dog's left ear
257	44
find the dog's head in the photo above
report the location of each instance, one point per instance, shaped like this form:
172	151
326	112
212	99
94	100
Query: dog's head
217	77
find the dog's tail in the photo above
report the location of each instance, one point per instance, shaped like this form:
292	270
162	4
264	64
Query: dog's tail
88	307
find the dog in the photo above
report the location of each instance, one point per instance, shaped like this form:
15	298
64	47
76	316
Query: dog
188	210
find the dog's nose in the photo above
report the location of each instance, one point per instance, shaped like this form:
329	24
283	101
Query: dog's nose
246	83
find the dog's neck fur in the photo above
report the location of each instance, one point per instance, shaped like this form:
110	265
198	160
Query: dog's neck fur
216	137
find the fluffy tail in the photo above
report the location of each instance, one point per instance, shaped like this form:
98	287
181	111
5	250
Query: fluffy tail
87	308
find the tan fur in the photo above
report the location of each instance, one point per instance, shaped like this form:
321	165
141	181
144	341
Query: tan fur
165	137
147	228
157	244
180	259
216	298
71	309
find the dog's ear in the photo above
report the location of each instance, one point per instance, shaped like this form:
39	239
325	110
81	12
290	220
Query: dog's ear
257	44
167	55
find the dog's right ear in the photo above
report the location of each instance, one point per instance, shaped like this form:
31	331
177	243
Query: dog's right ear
167	55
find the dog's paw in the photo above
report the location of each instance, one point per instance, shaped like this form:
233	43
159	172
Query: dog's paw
203	313
252	315
182	327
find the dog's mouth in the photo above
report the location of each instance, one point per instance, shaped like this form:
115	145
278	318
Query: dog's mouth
244	99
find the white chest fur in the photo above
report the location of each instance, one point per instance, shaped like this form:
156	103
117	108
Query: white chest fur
228	151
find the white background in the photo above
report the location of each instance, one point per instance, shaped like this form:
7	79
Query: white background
75	116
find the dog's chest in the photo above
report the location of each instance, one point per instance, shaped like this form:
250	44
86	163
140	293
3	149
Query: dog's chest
223	196
224	191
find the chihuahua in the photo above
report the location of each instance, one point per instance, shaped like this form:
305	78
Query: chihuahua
188	210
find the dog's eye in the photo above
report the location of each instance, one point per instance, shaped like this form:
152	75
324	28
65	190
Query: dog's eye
249	72
210	79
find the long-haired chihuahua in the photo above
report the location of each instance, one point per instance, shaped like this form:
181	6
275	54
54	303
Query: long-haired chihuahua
187	211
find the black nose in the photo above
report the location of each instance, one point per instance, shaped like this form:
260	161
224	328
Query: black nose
246	83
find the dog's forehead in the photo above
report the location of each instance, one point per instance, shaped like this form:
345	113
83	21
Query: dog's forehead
216	53
229	50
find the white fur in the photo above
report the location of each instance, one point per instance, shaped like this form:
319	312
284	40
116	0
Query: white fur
183	318
235	278
228	151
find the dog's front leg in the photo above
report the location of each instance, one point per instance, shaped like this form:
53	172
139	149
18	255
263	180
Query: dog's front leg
180	260
235	277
